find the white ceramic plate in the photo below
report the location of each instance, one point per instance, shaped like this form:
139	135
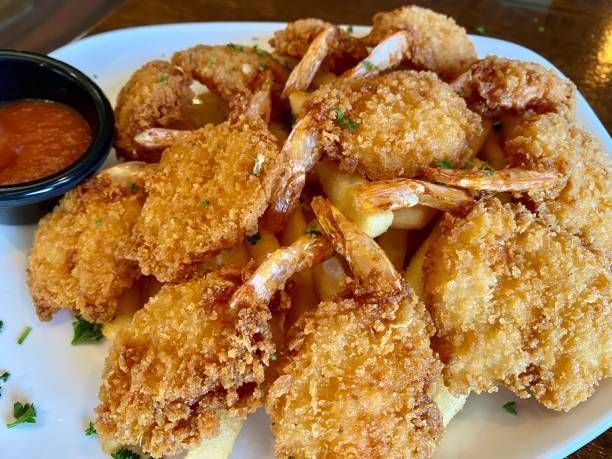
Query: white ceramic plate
62	380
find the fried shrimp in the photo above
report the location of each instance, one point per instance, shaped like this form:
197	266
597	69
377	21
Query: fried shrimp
438	43
581	204
207	194
186	360
78	256
295	39
494	86
227	70
518	304
156	95
355	380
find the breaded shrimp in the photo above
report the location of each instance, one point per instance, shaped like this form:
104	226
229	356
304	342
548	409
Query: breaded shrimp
156	95
295	39
78	256
581	204
227	70
356	377
494	86
207	194
185	359
438	43
520	305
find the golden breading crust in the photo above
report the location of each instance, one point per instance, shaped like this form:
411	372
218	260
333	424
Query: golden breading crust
495	85
77	260
227	70
207	194
185	357
295	39
394	124
582	204
440	45
155	96
353	385
520	305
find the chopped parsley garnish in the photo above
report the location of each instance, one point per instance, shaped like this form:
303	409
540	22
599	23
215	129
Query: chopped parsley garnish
486	167
541	29
204	202
259	162
1	325
444	164
349	29
24	334
91	429
368	65
497	126
510	407
313	232
273	357
163	78
212	61
133	186
468	165
98	222
233	47
481	30
85	332
5	376
124	453
23	414
260	52
341	120
262	67
254	238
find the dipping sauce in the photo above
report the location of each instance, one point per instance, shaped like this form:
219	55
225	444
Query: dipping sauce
39	138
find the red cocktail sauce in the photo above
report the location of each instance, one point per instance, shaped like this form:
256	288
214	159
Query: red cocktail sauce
39	138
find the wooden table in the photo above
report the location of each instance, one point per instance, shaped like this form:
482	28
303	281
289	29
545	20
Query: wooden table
576	36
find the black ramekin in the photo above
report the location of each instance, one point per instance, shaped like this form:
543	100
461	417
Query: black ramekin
25	75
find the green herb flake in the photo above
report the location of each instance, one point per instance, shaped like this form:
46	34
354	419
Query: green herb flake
99	222
212	61
262	67
260	52
510	407
85	332
24	334
254	238
468	165
205	202
5	376
91	429
163	78
124	453
1	325
485	166
258	166
23	414
444	165
349	29
481	30
273	357
313	232
497	126
234	47
368	65
133	186
541	29
341	120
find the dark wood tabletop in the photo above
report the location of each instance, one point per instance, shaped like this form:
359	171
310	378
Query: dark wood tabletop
576	36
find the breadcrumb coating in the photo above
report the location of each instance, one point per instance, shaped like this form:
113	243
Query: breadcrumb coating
353	385
295	39
494	86
227	70
156	95
440	45
185	357
78	256
390	126
520	305
582	204
207	194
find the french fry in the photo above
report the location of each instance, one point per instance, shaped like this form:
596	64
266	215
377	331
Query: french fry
220	446
342	189
297	99
492	152
416	217
487	128
448	404
322	78
330	278
236	256
296	227
262	247
129	303
395	244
